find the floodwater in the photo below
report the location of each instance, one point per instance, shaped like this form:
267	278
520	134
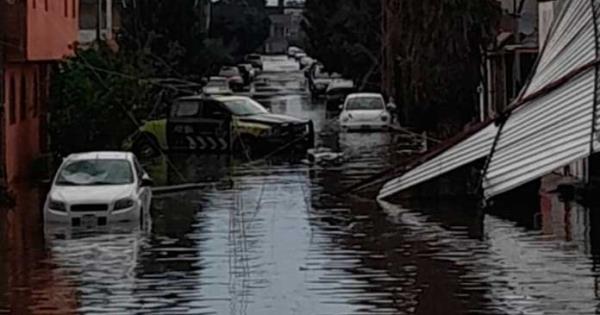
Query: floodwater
274	237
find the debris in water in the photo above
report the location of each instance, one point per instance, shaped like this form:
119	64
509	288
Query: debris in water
325	156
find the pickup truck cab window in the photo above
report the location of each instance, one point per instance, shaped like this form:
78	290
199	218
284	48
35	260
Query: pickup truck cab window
185	109
214	110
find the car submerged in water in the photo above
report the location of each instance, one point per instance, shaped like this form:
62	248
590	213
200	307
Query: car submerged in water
337	92
217	86
99	189
235	124
364	111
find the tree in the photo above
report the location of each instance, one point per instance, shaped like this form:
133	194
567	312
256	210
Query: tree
437	47
436	50
242	25
176	42
99	96
93	99
169	35
345	36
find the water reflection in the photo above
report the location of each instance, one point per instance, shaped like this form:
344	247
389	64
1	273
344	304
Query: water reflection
28	281
533	256
101	268
273	237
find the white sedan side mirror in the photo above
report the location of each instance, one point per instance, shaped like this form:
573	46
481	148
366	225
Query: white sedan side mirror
147	181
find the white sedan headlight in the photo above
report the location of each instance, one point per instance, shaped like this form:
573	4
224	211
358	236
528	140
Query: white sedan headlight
56	205
125	203
346	117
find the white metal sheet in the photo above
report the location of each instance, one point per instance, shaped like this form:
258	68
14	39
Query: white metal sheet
550	132
596	135
595	138
465	152
570	45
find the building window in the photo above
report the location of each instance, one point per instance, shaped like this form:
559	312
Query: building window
66	8
46	5
12	101
23	97
74	8
34	4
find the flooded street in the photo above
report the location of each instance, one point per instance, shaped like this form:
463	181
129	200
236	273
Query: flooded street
273	236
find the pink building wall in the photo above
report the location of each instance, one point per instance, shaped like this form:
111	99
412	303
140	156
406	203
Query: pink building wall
22	119
52	29
45	32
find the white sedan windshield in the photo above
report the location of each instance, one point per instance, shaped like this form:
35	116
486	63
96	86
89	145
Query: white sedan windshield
96	172
365	103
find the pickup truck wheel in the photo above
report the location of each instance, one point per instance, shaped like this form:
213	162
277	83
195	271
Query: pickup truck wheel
146	147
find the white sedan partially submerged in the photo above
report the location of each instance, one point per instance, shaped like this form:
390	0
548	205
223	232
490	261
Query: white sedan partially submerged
364	111
97	189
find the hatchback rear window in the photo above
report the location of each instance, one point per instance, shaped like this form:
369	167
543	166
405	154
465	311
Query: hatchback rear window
365	103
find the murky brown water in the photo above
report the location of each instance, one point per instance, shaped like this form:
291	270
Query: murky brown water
272	238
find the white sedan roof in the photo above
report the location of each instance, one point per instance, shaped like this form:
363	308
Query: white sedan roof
360	95
101	155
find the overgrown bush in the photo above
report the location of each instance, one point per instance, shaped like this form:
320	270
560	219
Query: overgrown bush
93	99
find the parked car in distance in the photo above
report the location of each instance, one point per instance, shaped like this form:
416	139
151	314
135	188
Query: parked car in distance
318	80
255	60
337	91
248	72
292	51
217	86
299	55
220	124
364	111
305	62
233	76
98	189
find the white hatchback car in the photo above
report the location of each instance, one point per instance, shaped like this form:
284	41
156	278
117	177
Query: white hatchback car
364	111
97	189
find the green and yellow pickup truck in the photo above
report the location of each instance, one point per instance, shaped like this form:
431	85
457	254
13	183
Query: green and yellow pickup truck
220	124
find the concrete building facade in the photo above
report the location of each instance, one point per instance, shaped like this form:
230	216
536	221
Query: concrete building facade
286	26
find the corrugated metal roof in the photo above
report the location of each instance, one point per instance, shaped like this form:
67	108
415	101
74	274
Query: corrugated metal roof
475	147
551	125
570	45
551	131
555	129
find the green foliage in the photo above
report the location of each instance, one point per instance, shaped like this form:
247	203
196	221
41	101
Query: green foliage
438	48
242	25
435	47
90	97
345	36
176	40
168	35
97	95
